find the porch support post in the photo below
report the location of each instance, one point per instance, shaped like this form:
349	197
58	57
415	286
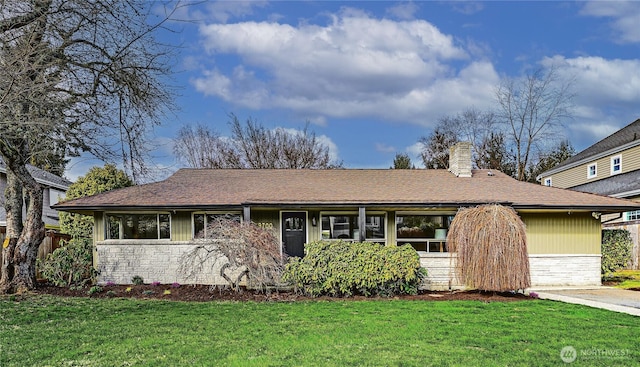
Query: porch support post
362	223
246	214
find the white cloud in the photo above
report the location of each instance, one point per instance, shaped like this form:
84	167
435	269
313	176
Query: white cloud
405	10
606	95
385	148
625	17
414	152
355	66
599	80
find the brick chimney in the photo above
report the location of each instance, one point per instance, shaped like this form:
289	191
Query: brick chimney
460	159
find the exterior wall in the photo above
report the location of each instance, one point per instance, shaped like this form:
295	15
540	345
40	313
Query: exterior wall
555	270
157	261
564	249
564	270
578	175
181	226
562	233
440	271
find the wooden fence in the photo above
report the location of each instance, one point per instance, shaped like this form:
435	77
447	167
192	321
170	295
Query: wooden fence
50	242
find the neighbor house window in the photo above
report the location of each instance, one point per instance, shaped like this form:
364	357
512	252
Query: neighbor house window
139	226
55	196
202	221
634	215
592	170
423	232
616	164
345	227
547	182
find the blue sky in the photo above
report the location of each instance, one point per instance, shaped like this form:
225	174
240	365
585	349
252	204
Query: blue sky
372	77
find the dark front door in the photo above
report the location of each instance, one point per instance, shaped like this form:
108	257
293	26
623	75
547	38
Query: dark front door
294	232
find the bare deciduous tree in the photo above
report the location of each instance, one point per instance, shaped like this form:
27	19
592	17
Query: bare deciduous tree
79	75
251	145
470	125
533	109
244	248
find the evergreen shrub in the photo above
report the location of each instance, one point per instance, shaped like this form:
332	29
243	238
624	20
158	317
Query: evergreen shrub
338	268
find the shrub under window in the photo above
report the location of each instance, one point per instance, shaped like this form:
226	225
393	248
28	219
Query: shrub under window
339	268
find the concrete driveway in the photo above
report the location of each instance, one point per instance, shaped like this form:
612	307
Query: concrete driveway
612	299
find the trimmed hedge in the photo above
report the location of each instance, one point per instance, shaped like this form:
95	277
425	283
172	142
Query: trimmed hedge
616	250
338	268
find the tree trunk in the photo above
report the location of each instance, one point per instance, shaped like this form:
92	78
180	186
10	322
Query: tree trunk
13	208
20	273
31	237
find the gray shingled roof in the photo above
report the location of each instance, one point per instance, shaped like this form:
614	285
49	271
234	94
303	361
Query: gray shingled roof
627	135
43	177
613	185
192	189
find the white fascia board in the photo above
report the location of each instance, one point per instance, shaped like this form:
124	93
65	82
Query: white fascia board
626	194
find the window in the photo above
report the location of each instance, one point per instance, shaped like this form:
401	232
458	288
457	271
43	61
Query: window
345	227
635	215
547	182
201	221
592	170
55	196
423	232
616	164
139	226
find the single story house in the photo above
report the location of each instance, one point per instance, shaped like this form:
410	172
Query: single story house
144	230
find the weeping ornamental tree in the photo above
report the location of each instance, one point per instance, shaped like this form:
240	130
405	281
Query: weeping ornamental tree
80	75
491	244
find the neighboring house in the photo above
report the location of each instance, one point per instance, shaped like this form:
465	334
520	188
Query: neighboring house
55	188
145	230
609	167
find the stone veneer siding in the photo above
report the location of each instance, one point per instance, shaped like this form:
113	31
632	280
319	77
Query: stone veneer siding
119	261
546	270
157	262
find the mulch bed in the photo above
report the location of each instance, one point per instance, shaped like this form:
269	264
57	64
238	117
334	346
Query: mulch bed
204	293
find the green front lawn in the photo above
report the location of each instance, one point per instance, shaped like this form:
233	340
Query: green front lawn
50	331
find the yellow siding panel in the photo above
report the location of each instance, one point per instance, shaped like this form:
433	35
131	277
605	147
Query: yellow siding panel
181	226
562	233
578	175
98	227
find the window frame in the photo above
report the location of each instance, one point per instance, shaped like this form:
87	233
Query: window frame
121	216
548	182
356	214
206	214
414	241
619	164
595	170
56	195
632	215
